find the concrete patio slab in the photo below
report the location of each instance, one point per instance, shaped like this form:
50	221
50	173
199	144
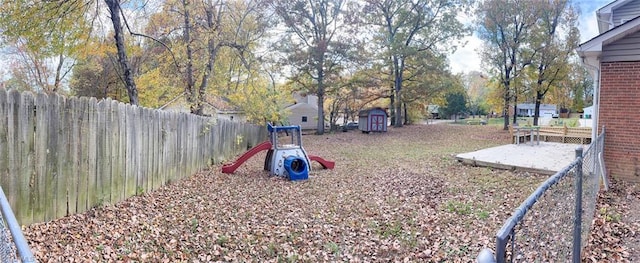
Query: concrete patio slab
545	158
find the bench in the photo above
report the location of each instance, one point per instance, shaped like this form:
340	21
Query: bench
524	134
581	135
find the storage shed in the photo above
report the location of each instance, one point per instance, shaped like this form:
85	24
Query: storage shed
372	120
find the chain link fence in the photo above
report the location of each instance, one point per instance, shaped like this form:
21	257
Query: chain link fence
554	222
13	245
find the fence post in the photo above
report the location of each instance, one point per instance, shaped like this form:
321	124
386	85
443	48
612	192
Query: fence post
577	224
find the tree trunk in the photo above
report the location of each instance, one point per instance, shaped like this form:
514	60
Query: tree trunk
58	79
189	72
515	107
202	90
392	99
132	91
406	116
392	110
505	111
398	67
212	52
536	113
320	69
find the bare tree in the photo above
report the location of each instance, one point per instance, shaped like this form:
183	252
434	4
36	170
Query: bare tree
127	74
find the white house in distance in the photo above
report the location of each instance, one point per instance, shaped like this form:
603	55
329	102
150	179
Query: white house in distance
528	110
304	111
586	117
587	112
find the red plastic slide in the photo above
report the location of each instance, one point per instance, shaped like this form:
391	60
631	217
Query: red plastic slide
326	164
231	167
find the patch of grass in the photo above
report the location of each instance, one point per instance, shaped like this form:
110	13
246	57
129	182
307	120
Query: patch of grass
222	240
333	247
390	230
495	121
293	236
410	239
610	216
483	214
272	250
194	224
387	230
458	207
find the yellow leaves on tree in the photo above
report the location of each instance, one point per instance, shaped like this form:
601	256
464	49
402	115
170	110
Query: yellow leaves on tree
155	89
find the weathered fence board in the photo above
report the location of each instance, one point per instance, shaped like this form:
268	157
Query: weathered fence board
118	191
145	163
39	192
61	152
103	173
26	156
129	178
92	195
156	151
82	107
4	146
51	164
73	118
13	165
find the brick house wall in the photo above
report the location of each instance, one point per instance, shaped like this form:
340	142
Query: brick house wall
620	114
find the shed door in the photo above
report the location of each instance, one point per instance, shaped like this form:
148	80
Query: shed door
377	123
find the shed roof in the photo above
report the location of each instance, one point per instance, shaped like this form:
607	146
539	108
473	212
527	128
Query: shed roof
365	112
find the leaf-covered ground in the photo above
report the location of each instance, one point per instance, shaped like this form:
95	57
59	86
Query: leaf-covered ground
397	196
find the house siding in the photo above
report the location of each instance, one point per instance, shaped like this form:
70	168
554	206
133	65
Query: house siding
302	109
620	114
625	49
626	12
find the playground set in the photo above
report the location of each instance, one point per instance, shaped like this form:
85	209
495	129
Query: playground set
289	160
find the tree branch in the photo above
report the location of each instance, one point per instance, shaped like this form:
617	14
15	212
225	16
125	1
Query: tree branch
126	23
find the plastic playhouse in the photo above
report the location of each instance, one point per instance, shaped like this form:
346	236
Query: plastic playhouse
285	158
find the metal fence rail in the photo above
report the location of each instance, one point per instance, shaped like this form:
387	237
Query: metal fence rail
553	223
13	245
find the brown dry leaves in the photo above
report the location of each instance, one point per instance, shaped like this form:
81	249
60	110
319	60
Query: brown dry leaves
397	196
615	234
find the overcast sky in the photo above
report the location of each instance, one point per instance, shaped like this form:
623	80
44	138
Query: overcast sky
466	58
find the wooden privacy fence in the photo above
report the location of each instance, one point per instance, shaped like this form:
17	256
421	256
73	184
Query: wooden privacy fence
60	156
